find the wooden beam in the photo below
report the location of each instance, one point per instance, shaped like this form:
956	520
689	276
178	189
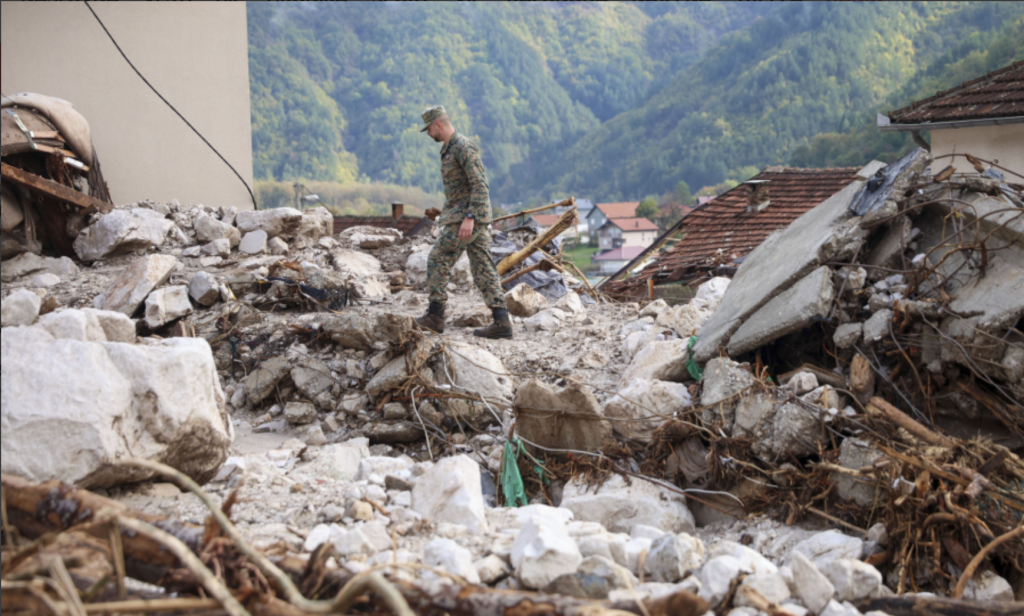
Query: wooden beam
563	202
563	223
53	189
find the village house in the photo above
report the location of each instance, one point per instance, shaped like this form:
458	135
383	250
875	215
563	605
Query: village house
983	117
721	232
611	261
603	212
633	232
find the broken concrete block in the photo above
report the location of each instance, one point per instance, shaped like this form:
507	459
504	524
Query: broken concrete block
785	257
209	229
619	507
277	221
524	302
877	327
790	311
254	243
122	231
166	305
568	418
262	381
299	413
29	263
204	288
659	361
75	425
20	308
646	404
134	285
847	335
723	379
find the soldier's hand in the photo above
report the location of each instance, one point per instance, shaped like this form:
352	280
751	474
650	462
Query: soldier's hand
466	229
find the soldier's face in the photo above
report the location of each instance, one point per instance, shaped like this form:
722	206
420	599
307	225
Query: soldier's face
434	131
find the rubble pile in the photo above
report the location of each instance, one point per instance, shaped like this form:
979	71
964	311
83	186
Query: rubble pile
834	431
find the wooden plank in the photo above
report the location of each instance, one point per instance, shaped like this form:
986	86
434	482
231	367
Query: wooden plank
53	189
563	202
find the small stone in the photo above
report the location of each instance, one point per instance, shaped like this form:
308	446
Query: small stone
299	413
320	535
716	578
830	545
834	608
394	482
277	246
204	289
44	281
771	586
216	248
848	334
812	586
542	551
877	327
395	411
491	569
523	301
853	579
451	557
802	382
254	242
166	305
360	510
987	586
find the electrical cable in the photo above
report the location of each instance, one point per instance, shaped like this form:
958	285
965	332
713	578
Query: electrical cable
109	35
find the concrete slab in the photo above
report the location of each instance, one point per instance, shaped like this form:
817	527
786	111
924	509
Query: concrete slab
790	311
786	257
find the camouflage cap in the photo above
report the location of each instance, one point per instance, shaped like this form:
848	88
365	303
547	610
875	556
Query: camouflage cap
432	114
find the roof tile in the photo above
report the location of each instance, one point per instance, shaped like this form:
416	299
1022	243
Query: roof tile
998	94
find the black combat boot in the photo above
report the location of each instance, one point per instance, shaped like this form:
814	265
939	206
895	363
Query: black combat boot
434	319
501	328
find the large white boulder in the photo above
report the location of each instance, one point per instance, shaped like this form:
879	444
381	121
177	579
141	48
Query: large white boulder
830	545
133	285
28	263
543	550
122	231
645	404
73	325
450	491
20	308
620	507
278	221
72	409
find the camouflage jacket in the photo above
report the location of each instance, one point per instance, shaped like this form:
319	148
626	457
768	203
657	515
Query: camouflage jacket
465	182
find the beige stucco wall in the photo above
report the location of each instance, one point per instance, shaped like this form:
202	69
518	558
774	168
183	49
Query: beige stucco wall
1003	143
194	53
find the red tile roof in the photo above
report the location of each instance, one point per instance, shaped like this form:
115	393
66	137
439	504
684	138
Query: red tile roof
546	220
633	224
408	225
622	209
622	253
998	94
723	230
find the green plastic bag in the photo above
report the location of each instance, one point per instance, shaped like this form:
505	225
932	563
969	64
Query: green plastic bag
511	481
691	366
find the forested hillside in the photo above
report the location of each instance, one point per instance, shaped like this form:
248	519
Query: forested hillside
607	100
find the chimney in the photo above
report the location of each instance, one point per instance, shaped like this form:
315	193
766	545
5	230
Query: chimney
757	195
397	210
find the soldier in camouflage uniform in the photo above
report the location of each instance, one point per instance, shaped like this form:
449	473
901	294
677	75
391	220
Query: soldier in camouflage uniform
464	224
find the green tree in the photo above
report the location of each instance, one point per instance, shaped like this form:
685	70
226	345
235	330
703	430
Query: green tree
648	208
681	194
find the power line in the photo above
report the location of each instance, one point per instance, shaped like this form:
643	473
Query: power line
169	104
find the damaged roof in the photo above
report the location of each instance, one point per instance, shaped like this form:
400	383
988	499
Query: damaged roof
408	225
723	230
999	94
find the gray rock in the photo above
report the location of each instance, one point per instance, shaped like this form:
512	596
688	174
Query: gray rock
848	334
312	377
802	382
812	586
543	551
29	263
855	454
277	246
877	327
349	330
44	281
524	302
853	579
20	308
660	361
209	229
122	231
299	413
716	578
671	556
204	289
450	491
771	586
73	325
619	507
987	586
790	311
216	248
116	326
254	243
394	411
492	569
830	545
166	305
393	432
643	405
262	381
550	320
134	285
449	556
277	221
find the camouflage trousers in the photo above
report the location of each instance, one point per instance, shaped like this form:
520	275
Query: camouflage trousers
447	251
